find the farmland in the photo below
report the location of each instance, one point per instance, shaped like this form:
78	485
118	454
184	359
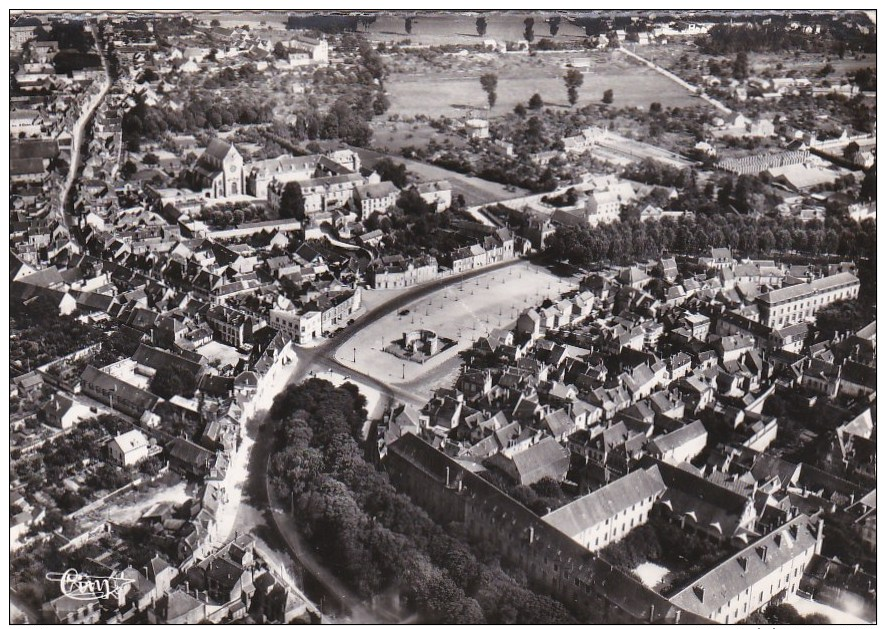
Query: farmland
450	86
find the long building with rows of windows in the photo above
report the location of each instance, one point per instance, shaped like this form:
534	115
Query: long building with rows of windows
792	304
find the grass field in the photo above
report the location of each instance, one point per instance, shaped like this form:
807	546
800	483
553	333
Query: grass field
476	191
451	86
456	28
464	312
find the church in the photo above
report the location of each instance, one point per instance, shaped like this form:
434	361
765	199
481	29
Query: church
219	171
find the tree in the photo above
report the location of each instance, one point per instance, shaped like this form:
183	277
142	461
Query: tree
168	382
655	108
280	50
554	25
607	97
410	201
866	79
489	82
574	80
392	171
129	169
214	23
740	66
481	26
528	26
151	160
536	102
520	110
292	201
851	150
408	25
826	70
381	104
869	185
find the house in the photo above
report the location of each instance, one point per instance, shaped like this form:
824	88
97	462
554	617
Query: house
467	258
128	449
607	515
476	128
546	459
62	411
315	51
180	608
634	277
189	458
682	444
437	194
70	611
303	328
529	322
116	393
399	272
375	197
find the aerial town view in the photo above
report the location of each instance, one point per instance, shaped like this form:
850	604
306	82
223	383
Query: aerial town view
412	317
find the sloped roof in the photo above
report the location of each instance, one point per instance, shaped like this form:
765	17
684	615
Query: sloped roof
607	501
676	438
132	440
711	591
144	400
218	149
545	458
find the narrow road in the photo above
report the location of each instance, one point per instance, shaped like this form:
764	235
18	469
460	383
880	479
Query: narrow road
80	128
676	79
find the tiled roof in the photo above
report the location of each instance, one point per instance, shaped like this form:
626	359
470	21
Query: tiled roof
711	591
607	501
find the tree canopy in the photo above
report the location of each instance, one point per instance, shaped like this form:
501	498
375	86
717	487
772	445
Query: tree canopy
574	80
489	82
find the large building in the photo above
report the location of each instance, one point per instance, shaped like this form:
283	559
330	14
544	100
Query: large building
793	304
375	197
219	170
308	51
302	327
286	168
751	578
608	514
399	272
552	561
321	194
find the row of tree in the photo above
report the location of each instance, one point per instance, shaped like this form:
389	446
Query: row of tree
375	538
625	242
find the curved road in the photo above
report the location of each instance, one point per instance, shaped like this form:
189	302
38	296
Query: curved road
320	580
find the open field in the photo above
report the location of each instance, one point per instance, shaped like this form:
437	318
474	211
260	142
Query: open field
393	137
463	312
460	28
451	86
476	191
